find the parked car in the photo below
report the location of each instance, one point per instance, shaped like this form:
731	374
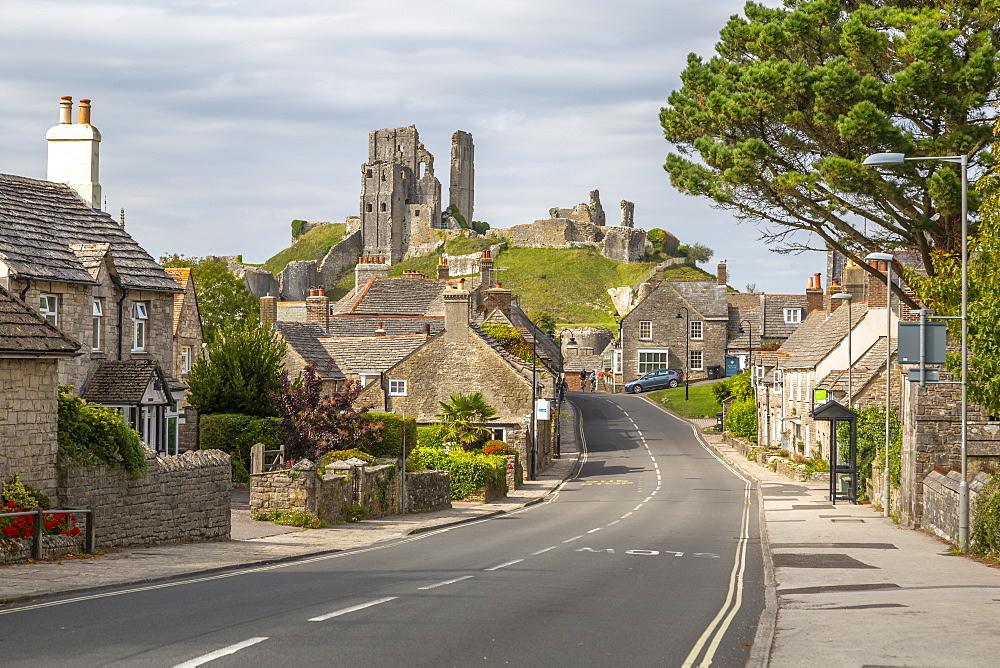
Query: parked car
655	380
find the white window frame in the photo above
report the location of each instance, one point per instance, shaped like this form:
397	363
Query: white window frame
645	330
140	321
397	387
697	330
498	433
185	359
793	316
97	324
700	364
48	306
642	366
616	360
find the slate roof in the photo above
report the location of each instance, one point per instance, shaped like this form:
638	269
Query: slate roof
121	381
304	337
706	297
370	354
865	368
774	314
183	277
818	334
394	325
24	331
577	363
737	316
394	295
40	220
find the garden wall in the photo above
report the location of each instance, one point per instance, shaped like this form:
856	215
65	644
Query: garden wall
16	550
180	498
940	497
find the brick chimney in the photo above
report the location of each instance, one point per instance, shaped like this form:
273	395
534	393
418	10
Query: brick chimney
268	310
721	275
814	294
499	297
456	313
380	332
74	152
486	268
318	307
833	289
876	285
442	268
368	267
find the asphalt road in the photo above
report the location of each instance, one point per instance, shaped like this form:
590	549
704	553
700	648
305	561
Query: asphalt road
648	557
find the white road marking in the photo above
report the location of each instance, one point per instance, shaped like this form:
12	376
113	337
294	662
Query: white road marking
644	553
446	582
590	549
545	550
647	498
638	507
626	515
613	523
593	530
219	653
353	608
504	565
573	538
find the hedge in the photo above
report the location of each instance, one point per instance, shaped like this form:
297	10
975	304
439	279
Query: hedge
236	434
469	471
391	444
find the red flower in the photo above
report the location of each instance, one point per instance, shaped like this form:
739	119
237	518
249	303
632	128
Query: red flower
10	532
11	504
65	532
74	531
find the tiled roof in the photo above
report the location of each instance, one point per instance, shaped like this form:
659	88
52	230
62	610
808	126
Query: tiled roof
91	256
370	354
513	360
774	314
39	221
747	317
865	368
394	325
393	295
304	337
24	331
818	334
121	381
548	351
183	277
577	363
707	297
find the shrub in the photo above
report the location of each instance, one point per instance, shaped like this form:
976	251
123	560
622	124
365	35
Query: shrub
498	448
469	471
92	434
741	420
24	496
291	518
235	434
985	537
431	436
391	442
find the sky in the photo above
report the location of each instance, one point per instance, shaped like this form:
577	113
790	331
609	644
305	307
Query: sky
224	121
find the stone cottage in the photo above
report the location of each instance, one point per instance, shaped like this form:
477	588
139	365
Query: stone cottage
188	348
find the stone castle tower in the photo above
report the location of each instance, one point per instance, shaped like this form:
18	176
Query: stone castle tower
401	197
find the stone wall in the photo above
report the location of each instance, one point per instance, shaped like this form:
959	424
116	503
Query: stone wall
427	491
296	278
28	417
940	502
180	498
621	244
17	550
464	265
340	258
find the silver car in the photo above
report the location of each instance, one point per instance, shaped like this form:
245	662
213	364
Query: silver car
655	380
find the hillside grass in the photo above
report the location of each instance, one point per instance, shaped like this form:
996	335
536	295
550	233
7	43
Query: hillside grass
312	245
702	402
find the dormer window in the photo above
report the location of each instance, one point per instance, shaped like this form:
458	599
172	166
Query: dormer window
793	316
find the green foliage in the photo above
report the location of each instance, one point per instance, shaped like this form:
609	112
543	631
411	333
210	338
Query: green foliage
459	218
775	126
23	495
236	434
696	252
222	297
871	445
356	513
92	434
509	338
313	245
985	538
431	436
390	444
479	226
701	401
240	373
297	226
741	419
462	416
291	518
469	471
343	455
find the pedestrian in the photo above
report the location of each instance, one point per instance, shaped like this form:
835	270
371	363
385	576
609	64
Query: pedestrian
593	380
583	380
563	386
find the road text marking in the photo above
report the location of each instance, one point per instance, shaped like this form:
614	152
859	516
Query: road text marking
353	608
219	653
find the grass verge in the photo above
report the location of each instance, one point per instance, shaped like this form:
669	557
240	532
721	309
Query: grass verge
701	402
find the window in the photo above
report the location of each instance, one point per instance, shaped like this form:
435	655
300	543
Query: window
793	316
696	360
397	388
498	434
697	332
645	330
140	316
369	173
48	306
97	319
383	206
368	207
617	361
185	359
652	359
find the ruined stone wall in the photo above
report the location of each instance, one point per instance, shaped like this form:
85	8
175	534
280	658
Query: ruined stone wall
461	185
940	500
624	244
621	244
296	278
28	417
179	499
339	259
464	265
261	282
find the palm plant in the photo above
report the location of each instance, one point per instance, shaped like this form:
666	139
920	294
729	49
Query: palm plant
462	416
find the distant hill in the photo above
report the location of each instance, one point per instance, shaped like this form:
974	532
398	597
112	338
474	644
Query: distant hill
312	245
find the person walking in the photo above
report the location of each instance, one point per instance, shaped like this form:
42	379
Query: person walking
563	386
593	380
583	380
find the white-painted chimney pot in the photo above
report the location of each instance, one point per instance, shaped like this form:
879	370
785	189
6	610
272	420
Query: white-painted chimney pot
74	152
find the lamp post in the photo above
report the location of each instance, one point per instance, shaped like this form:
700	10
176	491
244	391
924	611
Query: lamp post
749	334
850	357
687	351
963	160
887	258
533	424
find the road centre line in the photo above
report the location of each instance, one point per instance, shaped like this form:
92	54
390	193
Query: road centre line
573	538
638	507
446	582
593	530
353	608
626	514
219	653
509	563
535	554
613	523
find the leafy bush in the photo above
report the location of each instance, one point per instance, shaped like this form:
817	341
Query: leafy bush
871	445
24	496
431	436
92	434
235	434
985	539
291	518
391	442
469	470
741	420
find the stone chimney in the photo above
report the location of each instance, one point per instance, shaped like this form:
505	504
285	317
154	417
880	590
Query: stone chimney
456	313
876	285
368	267
442	269
380	332
268	310
834	288
499	297
427	329
814	294
74	152
658	273
318	307
721	275
486	268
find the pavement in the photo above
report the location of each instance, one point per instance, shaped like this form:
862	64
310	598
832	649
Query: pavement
845	586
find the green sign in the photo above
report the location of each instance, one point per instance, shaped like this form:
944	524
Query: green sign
819	396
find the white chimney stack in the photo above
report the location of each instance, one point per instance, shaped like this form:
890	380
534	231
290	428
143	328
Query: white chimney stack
74	152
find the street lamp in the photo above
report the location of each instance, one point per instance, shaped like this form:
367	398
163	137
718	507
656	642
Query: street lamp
850	357
963	488
533	424
687	351
749	334
887	258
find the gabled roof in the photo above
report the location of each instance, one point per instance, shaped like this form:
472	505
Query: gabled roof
394	325
303	337
91	256
747	318
707	297
819	334
865	368
393	295
40	220
182	275
122	381
370	354
24	331
775	326
577	363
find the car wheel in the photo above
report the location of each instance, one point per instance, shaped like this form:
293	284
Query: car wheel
672	383
636	389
